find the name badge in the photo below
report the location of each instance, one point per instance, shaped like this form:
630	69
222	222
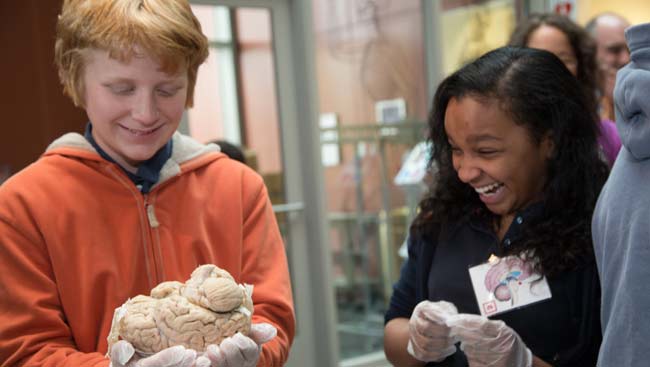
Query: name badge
504	284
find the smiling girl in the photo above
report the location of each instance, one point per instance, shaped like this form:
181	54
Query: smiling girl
514	140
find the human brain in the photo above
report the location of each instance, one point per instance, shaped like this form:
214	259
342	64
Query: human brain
207	308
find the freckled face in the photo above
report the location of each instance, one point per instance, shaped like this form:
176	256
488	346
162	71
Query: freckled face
134	107
495	156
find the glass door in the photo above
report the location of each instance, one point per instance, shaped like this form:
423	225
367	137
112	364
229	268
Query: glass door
257	91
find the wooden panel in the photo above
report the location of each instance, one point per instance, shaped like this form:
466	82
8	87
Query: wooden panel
35	111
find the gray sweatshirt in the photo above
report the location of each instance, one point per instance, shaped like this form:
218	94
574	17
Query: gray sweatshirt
621	221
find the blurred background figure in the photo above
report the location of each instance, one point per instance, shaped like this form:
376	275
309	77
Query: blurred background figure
577	50
231	150
608	30
238	153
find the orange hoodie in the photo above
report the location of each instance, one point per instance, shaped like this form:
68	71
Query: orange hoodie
77	239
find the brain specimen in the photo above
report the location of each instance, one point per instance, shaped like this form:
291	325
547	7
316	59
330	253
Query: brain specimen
207	308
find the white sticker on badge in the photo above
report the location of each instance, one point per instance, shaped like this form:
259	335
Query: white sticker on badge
505	284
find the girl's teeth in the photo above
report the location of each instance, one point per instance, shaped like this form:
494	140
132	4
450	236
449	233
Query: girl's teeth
486	189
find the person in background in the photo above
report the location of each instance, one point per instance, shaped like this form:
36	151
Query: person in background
620	229
231	150
106	216
608	30
515	140
573	45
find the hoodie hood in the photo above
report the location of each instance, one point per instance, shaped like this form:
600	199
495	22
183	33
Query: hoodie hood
184	153
632	94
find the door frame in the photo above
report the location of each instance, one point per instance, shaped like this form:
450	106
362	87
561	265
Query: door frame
316	341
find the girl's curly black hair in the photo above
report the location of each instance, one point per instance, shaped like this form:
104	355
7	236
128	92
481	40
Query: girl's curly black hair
540	94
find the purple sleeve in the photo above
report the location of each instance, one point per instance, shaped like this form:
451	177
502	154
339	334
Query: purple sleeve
609	141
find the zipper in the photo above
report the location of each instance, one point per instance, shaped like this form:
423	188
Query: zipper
151	215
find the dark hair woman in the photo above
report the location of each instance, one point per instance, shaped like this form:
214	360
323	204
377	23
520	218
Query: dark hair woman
518	176
577	50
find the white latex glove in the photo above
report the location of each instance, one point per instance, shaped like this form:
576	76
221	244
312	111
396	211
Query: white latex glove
489	342
429	336
240	350
122	354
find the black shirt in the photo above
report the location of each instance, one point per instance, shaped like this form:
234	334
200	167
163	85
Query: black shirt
563	330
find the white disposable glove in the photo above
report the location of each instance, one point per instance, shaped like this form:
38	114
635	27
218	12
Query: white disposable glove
489	342
429	336
122	354
240	350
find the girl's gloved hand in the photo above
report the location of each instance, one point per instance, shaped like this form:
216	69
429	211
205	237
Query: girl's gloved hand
489	342
122	354
240	350
429	336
